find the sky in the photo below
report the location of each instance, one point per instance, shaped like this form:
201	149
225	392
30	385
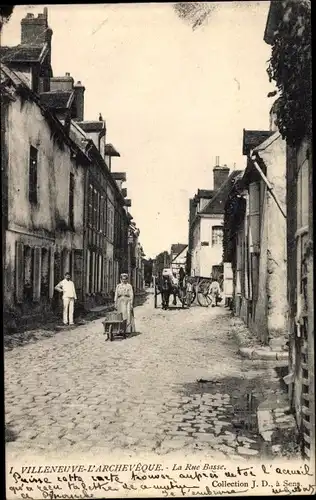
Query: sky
173	98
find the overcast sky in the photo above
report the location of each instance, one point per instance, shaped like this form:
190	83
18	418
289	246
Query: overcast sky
173	98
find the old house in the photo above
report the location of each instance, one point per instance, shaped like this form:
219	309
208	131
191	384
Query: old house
86	206
105	220
44	171
178	257
206	224
255	233
104	214
288	21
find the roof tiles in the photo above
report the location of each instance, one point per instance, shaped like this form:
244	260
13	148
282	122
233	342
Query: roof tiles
252	139
21	53
217	204
57	99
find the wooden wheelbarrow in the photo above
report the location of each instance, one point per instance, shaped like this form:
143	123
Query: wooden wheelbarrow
114	326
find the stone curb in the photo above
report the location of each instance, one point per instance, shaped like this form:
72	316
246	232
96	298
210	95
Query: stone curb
263	354
270	420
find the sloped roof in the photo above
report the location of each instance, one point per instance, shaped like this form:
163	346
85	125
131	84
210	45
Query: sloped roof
217	203
22	53
205	193
177	248
274	15
110	150
252	139
91	126
57	99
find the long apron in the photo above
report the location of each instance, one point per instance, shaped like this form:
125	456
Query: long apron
124	306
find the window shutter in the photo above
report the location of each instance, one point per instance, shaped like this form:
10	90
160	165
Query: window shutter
37	264
78	271
19	272
254	216
51	264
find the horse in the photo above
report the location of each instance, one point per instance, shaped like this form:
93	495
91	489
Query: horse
166	289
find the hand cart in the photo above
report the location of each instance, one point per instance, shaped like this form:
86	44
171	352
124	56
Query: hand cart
114	326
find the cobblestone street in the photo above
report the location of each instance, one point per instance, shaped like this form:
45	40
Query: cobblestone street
176	384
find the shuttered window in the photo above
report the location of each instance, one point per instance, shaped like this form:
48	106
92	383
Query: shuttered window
51	272
45	273
95	205
90	201
304	351
33	175
37	274
71	200
19	272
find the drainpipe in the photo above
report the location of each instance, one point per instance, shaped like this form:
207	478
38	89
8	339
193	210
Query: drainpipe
268	184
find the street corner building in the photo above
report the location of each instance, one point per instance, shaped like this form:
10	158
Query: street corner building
206	219
63	208
255	237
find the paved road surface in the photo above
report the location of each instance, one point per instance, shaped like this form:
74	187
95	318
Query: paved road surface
76	392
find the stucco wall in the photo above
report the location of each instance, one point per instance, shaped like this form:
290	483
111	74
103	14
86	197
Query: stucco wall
45	224
205	256
54	167
275	159
210	255
260	321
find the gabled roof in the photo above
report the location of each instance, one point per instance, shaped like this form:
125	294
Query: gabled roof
178	248
252	139
23	53
57	99
217	203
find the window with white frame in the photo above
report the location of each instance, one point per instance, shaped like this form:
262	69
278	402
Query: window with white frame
217	235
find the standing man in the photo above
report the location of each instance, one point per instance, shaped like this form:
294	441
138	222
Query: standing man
214	291
67	288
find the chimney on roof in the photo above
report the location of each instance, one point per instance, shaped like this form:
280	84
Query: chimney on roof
79	101
34	30
220	174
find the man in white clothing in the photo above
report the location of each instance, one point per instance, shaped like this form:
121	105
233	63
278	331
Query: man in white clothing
67	288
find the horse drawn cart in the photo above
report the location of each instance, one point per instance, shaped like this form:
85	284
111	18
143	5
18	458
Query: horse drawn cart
200	292
114	326
177	291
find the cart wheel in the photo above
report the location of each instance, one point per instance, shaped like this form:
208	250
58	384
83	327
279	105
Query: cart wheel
110	333
203	297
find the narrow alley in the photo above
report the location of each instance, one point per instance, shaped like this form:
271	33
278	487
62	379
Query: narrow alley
179	383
